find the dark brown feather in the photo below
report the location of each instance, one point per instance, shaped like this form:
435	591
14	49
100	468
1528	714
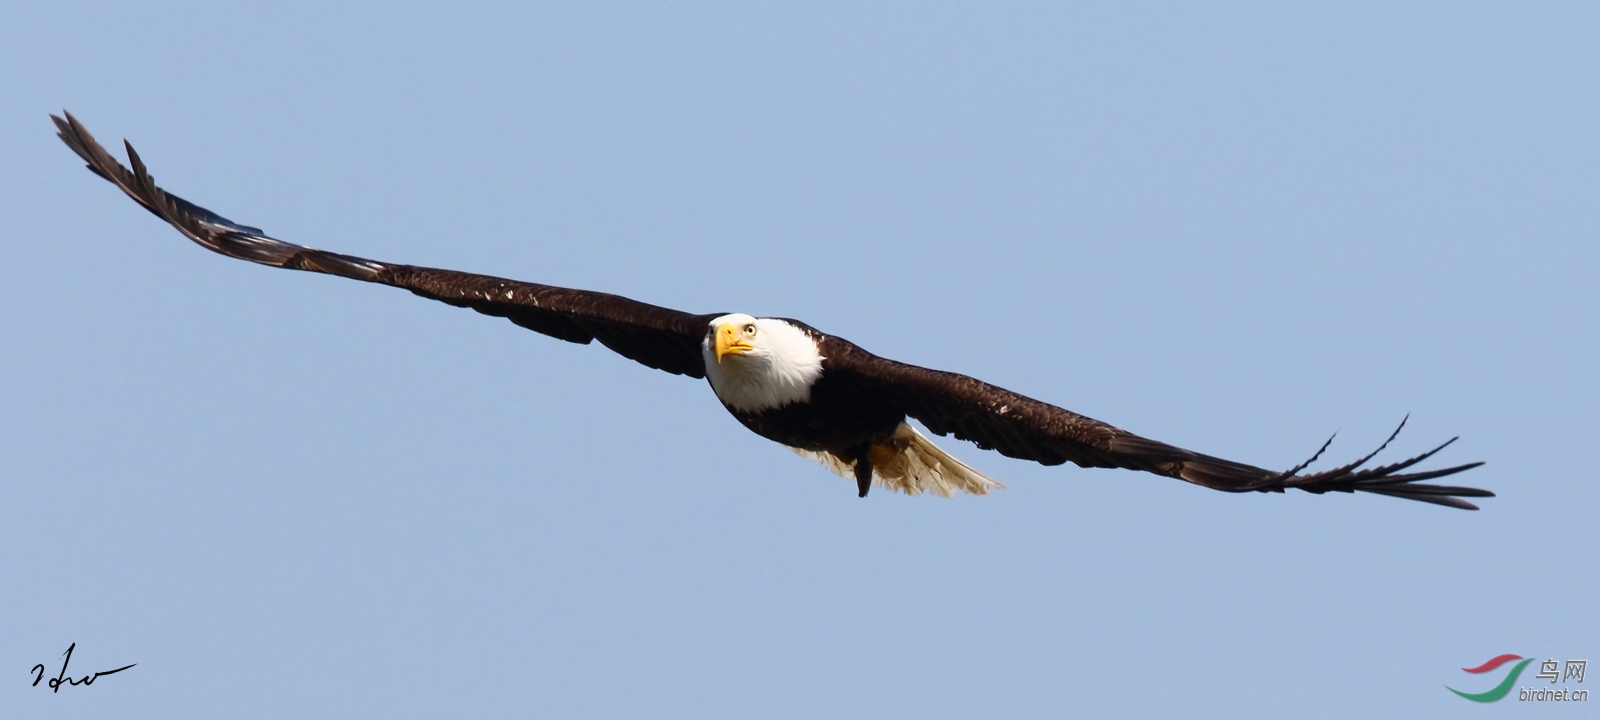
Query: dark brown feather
1021	427
655	336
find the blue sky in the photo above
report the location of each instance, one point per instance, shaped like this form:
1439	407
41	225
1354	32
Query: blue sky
1237	229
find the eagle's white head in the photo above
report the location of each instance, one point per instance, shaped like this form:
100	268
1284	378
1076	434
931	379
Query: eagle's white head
757	364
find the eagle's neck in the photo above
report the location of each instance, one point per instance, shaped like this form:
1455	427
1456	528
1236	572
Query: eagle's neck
781	370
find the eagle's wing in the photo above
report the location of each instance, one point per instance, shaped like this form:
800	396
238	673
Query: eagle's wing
655	336
1021	427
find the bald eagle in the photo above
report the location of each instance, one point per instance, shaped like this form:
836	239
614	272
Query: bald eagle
818	394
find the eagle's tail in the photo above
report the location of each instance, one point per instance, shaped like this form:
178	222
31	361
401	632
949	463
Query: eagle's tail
910	463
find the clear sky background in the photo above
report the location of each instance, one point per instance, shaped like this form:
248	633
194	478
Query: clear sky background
1238	229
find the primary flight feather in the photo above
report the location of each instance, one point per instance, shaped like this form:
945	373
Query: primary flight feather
820	395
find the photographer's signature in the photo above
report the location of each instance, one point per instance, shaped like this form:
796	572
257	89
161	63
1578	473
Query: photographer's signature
62	679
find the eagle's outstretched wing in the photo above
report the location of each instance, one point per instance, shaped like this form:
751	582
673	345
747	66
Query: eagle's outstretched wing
1017	426
655	336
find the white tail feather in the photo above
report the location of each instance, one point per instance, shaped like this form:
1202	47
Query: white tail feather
913	465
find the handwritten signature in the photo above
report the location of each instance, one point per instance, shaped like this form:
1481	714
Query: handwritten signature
62	679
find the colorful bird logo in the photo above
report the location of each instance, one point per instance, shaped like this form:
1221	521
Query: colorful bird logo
1499	691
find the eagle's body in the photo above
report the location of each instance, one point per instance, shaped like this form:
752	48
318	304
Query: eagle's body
775	376
780	395
822	396
837	417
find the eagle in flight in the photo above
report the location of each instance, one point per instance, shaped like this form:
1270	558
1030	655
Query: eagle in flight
818	394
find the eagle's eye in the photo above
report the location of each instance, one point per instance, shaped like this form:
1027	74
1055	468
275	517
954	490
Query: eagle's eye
750	329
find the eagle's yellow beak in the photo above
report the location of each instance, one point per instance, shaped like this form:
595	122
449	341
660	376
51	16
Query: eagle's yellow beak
732	340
